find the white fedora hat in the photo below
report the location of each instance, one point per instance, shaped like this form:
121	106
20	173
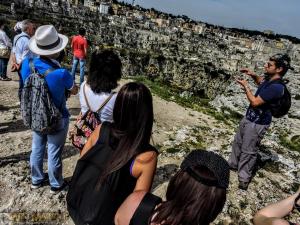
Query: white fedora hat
47	41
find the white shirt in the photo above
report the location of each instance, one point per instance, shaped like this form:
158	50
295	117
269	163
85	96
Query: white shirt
4	40
21	48
95	101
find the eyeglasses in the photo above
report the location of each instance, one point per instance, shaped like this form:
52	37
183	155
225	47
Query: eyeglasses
269	64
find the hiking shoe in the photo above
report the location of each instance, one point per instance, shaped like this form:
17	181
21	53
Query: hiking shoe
5	78
233	168
55	190
42	183
243	185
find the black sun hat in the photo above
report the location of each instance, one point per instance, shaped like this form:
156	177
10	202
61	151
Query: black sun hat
212	161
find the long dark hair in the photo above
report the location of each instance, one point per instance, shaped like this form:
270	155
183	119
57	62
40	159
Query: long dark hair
190	202
104	71
132	126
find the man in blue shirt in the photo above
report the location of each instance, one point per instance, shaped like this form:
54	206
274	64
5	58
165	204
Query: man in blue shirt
258	116
48	44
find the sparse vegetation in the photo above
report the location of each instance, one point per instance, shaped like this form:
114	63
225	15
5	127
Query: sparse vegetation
171	93
292	143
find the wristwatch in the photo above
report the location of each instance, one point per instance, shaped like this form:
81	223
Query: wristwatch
296	205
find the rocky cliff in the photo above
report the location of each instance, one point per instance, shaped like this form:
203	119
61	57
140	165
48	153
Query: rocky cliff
193	65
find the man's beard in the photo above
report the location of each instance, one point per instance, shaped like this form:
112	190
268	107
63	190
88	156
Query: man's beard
267	76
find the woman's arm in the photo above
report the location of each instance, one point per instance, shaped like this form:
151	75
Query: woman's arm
92	140
272	214
143	169
128	207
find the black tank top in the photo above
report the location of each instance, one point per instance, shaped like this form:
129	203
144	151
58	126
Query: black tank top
126	183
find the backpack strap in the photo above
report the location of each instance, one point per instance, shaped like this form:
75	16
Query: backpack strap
15	44
85	98
104	133
33	70
31	66
279	81
144	212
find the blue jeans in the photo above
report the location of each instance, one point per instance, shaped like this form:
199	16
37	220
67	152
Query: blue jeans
81	65
3	67
56	144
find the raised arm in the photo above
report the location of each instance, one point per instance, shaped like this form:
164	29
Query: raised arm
254	100
257	79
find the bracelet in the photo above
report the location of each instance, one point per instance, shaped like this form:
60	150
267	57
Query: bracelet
296	205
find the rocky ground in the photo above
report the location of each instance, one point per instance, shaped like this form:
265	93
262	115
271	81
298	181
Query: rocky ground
177	130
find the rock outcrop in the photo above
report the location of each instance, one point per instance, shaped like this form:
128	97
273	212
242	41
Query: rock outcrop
196	60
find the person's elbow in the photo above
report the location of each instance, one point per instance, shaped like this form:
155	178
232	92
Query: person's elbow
256	102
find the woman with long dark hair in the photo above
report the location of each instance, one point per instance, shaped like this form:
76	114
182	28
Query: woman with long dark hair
195	195
119	157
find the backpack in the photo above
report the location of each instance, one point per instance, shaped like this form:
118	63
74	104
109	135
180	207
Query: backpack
37	108
86	124
281	106
143	214
87	201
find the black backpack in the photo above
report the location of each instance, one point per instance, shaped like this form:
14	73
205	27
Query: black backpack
37	108
280	107
87	201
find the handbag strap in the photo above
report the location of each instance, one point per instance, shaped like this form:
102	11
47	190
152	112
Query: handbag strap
102	105
87	102
106	101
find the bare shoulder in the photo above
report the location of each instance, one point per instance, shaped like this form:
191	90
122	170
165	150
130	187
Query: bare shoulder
146	157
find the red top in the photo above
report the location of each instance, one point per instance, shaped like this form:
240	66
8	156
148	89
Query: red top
79	43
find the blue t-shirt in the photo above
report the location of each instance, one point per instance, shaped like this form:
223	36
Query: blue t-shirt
58	81
269	92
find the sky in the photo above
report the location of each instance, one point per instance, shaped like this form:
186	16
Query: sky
280	16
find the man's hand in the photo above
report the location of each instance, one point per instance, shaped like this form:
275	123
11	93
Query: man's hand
257	79
243	83
247	71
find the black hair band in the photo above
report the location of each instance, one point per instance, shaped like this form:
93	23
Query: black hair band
46	47
201	179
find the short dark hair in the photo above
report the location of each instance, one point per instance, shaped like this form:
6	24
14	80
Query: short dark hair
104	71
81	31
2	22
282	61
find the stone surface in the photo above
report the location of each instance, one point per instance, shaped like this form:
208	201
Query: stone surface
194	64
